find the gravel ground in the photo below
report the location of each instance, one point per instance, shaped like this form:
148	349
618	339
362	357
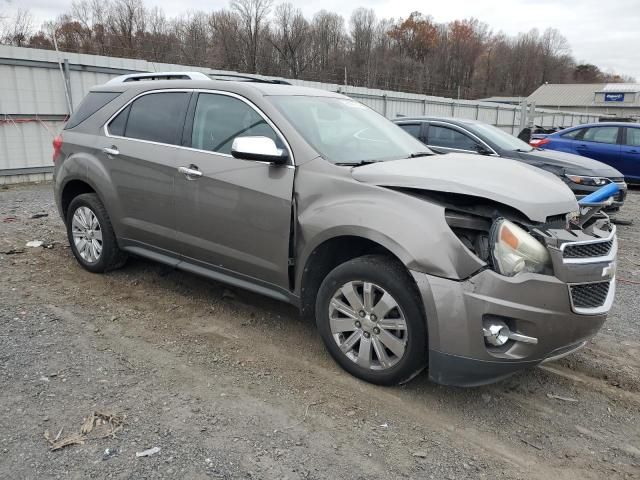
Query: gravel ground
232	385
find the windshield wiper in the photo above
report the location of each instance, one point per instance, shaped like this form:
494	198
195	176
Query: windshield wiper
420	154
356	164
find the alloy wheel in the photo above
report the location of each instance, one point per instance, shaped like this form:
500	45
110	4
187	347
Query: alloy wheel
368	325
87	234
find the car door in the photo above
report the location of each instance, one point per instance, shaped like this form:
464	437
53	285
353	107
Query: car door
443	138
630	154
140	153
233	215
599	143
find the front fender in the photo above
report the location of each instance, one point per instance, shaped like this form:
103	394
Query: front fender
412	228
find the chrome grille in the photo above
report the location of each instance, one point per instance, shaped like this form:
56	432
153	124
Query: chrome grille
589	295
586	250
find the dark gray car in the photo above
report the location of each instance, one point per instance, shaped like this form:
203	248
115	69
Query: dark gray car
582	175
314	199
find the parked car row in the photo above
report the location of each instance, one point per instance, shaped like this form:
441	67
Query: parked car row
615	143
472	267
445	135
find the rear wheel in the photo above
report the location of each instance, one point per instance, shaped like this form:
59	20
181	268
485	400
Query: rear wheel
91	236
369	316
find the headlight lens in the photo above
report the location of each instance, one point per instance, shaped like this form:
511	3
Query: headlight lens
588	181
515	251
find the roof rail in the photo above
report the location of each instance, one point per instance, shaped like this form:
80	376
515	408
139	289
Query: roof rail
144	76
247	78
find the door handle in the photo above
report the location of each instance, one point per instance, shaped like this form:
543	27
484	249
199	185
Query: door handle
113	150
191	172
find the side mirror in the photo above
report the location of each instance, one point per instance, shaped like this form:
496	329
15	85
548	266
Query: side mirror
261	149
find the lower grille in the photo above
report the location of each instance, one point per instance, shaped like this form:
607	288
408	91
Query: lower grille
589	295
586	250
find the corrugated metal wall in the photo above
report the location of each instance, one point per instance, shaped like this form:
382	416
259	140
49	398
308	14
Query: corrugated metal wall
33	105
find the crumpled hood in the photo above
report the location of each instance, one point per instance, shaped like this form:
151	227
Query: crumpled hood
532	191
574	164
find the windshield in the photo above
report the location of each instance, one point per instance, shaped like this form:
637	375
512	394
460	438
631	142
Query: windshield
501	138
345	131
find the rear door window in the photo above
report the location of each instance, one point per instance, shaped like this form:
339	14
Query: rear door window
449	138
219	119
601	135
155	117
633	137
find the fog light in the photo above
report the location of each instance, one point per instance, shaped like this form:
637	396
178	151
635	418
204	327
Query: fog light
496	333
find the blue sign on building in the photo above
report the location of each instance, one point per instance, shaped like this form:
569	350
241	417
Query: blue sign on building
614	97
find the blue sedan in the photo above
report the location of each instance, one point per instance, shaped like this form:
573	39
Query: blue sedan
613	143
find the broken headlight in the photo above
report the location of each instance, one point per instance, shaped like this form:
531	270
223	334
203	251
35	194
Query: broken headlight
515	251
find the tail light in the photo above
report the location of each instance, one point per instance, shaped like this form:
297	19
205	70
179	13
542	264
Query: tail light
57	147
539	142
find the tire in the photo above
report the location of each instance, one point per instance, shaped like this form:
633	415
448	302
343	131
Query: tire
370	353
87	209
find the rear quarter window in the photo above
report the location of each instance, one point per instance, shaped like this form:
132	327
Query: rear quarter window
93	102
572	134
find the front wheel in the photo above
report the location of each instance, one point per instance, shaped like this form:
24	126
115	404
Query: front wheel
370	318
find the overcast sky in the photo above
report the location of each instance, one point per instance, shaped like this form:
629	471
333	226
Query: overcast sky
603	32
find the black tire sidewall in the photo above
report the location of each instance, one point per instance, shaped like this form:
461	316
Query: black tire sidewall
109	247
393	277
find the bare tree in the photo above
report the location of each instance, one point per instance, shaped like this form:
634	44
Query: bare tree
91	15
329	39
225	27
362	30
18	29
415	54
192	32
124	20
253	17
291	37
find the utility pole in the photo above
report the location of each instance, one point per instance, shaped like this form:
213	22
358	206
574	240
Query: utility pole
345	75
458	92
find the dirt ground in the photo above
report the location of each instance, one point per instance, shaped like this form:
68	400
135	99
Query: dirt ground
229	384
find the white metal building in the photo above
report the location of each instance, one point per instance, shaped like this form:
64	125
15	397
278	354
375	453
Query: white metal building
619	99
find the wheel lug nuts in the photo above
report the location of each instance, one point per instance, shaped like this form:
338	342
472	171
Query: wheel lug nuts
373	318
358	324
376	330
367	334
362	313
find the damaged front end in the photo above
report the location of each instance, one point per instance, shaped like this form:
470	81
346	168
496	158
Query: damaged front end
545	290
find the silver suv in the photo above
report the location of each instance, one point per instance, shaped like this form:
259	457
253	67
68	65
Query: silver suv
405	259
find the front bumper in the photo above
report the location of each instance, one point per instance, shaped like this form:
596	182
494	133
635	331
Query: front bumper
561	311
